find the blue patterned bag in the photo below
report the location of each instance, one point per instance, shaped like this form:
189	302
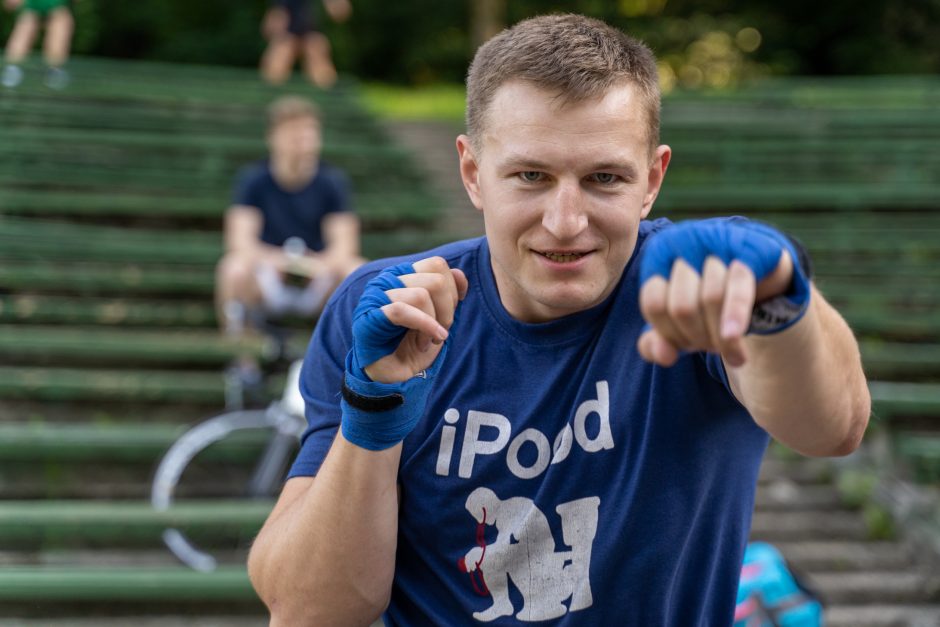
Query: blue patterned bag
770	595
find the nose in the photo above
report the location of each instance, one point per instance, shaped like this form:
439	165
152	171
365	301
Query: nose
565	216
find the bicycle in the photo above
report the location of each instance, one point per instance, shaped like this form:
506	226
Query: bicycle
284	417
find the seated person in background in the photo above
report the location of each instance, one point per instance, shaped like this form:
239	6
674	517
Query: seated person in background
290	235
56	46
292	33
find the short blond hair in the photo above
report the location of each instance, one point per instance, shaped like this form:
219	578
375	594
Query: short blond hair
290	108
576	56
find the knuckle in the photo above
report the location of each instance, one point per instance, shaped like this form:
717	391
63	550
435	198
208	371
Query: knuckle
395	310
712	295
437	264
437	282
683	310
652	307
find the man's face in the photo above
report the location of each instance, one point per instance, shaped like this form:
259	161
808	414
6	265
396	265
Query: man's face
296	139
562	189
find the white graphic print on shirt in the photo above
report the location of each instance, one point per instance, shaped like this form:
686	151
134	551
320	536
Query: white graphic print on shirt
524	551
473	445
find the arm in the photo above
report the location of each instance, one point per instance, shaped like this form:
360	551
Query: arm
242	236
338	10
326	554
803	384
341	243
275	21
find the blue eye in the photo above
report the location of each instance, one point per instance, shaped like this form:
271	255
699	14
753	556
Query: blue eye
605	178
531	176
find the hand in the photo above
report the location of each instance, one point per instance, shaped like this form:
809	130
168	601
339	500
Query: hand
700	281
274	23
339	10
413	324
399	331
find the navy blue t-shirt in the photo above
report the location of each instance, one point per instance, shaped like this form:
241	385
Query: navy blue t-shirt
556	476
296	213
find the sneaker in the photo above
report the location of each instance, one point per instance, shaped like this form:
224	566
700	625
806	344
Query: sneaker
56	78
12	76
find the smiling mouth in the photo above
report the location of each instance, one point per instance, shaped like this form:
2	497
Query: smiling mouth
566	257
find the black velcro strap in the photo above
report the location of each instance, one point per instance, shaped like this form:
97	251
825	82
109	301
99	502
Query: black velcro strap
372	403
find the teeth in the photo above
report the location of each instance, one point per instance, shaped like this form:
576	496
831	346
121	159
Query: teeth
563	258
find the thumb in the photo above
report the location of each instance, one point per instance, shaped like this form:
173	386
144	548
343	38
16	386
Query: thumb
778	281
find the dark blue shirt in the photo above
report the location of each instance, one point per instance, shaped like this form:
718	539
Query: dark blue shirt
297	213
556	477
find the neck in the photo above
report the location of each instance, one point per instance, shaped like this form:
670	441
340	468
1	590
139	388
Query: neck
293	173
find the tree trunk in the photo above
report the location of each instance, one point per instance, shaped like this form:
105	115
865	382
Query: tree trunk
488	17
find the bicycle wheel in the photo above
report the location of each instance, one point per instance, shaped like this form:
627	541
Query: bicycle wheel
181	454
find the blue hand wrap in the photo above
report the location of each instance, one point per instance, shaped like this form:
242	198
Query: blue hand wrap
374	337
756	245
377	431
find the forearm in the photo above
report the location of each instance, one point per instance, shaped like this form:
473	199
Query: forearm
329	558
806	385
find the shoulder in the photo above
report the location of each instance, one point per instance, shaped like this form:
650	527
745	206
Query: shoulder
648	227
254	173
332	175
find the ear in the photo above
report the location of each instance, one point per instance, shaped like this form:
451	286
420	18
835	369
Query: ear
657	173
469	171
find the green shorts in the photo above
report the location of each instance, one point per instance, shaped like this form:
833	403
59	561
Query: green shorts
43	7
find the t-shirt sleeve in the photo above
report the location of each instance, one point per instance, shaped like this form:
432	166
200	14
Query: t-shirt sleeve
340	192
246	190
321	379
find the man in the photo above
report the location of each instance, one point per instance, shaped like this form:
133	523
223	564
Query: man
290	234
58	42
514	443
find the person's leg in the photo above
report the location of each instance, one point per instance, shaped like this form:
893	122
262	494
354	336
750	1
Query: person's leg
18	47
235	287
237	292
318	61
58	43
22	38
279	59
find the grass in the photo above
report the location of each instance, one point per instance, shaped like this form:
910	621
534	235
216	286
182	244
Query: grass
440	102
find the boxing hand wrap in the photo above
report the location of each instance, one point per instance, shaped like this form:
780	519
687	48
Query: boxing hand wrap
377	416
754	244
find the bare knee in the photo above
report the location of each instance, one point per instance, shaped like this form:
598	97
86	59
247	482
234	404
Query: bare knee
236	280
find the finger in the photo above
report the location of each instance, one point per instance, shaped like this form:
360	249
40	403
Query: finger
778	281
438	265
714	275
736	311
413	308
684	306
654	305
656	349
460	279
442	292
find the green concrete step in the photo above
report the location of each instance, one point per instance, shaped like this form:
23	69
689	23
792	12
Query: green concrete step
127	523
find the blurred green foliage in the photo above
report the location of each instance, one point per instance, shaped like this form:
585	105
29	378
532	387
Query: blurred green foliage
700	42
